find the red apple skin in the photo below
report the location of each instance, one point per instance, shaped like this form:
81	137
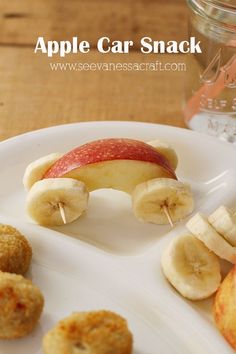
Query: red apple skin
224	308
108	150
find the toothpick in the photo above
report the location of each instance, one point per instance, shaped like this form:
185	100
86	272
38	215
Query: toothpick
62	212
167	213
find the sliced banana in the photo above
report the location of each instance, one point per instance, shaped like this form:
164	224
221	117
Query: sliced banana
53	201
224	221
191	268
202	229
36	169
167	151
157	198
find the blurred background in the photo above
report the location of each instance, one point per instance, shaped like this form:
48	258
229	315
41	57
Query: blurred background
32	96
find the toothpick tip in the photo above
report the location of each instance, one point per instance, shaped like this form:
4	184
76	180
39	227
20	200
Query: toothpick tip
62	212
167	213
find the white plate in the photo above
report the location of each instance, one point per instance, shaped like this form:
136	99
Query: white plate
109	259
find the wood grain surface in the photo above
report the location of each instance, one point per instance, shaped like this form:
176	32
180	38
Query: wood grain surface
21	22
32	96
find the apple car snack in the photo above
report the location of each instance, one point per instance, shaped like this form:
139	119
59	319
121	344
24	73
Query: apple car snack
146	171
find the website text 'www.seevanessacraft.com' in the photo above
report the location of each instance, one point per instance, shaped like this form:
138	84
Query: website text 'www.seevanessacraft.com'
100	66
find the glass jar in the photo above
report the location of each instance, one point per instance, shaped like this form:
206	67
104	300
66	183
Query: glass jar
210	105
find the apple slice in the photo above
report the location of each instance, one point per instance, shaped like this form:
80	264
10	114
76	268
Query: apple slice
225	308
112	163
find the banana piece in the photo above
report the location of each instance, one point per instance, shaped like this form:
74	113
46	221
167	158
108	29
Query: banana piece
191	268
53	201
167	151
157	198
224	221
202	229
36	169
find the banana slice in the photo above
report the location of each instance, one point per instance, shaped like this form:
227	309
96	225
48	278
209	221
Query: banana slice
157	198
191	268
200	228
167	151
36	169
54	201
224	221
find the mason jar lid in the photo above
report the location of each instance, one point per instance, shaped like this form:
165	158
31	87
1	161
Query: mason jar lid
221	11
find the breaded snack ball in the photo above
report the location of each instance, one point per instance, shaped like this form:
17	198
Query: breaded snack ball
7	229
98	332
21	304
15	251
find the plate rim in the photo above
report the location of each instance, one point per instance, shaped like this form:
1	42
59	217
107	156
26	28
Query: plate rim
11	142
107	123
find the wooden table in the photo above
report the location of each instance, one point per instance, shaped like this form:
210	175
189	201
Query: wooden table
32	96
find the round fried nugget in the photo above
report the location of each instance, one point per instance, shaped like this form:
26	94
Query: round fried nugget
9	230
21	304
15	251
98	332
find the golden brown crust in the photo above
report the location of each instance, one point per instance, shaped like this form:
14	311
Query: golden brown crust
224	308
97	332
8	230
15	251
21	304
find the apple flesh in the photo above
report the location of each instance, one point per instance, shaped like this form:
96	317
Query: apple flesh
225	308
112	163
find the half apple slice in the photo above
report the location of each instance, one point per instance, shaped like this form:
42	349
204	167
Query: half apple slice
112	163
